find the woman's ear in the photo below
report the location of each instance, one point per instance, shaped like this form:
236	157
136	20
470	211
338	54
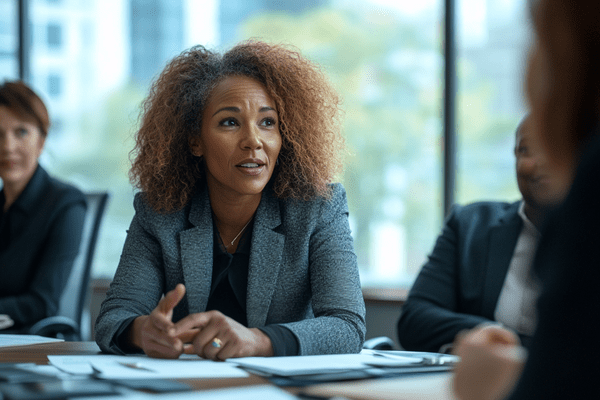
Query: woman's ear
196	146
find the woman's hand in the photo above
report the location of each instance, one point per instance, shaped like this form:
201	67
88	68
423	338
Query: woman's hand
491	363
218	337
155	334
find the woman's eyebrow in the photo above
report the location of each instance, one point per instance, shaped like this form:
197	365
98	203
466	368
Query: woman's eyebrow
233	109
236	109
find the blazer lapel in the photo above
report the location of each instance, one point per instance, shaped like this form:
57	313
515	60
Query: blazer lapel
197	253
503	239
265	260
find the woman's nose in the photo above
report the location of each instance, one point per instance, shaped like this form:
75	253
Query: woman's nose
7	142
252	138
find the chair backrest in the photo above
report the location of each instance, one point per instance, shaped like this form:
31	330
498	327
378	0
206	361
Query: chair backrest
75	295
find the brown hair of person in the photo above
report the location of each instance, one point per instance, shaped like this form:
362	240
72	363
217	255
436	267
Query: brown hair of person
307	105
568	57
21	100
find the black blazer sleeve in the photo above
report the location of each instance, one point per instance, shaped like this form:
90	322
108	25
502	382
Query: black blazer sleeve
564	353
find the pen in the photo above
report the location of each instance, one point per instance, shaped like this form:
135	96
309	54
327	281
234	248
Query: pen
135	365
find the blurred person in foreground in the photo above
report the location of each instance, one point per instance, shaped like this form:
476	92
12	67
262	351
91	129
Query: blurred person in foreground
41	218
563	88
479	270
237	224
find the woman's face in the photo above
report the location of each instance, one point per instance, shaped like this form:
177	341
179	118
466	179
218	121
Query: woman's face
239	139
21	144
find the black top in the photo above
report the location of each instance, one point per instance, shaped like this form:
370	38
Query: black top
39	240
564	352
228	290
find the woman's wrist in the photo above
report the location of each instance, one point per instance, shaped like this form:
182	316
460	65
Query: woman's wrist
264	347
134	335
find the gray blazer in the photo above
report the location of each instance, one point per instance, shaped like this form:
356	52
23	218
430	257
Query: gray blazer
302	271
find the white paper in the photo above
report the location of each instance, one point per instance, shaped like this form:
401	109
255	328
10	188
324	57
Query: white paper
139	367
321	364
24	340
258	392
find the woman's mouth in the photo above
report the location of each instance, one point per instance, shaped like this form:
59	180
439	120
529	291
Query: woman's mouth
251	168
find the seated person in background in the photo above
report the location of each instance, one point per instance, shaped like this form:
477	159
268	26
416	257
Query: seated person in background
479	271
41	219
237	224
563	89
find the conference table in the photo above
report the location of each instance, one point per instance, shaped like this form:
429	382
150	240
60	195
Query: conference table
428	386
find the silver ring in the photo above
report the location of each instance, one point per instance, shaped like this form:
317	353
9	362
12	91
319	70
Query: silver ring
216	342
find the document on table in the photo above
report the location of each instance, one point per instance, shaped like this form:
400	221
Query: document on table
138	367
24	340
413	387
258	392
322	364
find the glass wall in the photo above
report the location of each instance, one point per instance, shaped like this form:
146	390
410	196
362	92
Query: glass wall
93	61
9	39
493	38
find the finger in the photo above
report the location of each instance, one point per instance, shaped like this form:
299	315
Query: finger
171	299
213	349
188	336
156	334
192	322
160	321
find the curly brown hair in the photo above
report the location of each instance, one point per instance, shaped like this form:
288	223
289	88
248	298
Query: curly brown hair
308	107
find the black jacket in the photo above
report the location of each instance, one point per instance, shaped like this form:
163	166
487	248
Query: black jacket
39	240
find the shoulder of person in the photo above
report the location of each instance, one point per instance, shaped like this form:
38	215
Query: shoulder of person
174	220
320	207
488	212
63	193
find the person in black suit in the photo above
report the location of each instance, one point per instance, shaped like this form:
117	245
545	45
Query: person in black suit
41	218
563	88
478	272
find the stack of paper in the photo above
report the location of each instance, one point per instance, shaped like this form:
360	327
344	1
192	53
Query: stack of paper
140	367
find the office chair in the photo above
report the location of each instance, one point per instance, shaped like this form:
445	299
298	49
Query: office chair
69	324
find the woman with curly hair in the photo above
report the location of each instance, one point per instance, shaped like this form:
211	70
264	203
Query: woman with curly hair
240	245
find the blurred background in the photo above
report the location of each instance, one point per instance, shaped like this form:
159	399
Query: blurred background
92	61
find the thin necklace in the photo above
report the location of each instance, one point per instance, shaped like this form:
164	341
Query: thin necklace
238	235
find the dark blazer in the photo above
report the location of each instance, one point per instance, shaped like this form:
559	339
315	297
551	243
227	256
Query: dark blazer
459	285
564	352
302	271
39	240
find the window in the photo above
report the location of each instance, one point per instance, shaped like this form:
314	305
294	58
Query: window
9	68
493	40
54	35
384	57
54	85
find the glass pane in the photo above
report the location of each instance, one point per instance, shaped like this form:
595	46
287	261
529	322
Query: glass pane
492	44
9	40
383	56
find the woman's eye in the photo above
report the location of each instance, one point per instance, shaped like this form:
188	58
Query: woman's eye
268	122
228	122
21	132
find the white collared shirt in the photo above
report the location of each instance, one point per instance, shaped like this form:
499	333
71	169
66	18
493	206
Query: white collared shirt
516	307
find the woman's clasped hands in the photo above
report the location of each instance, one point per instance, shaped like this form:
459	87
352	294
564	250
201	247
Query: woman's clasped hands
210	334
